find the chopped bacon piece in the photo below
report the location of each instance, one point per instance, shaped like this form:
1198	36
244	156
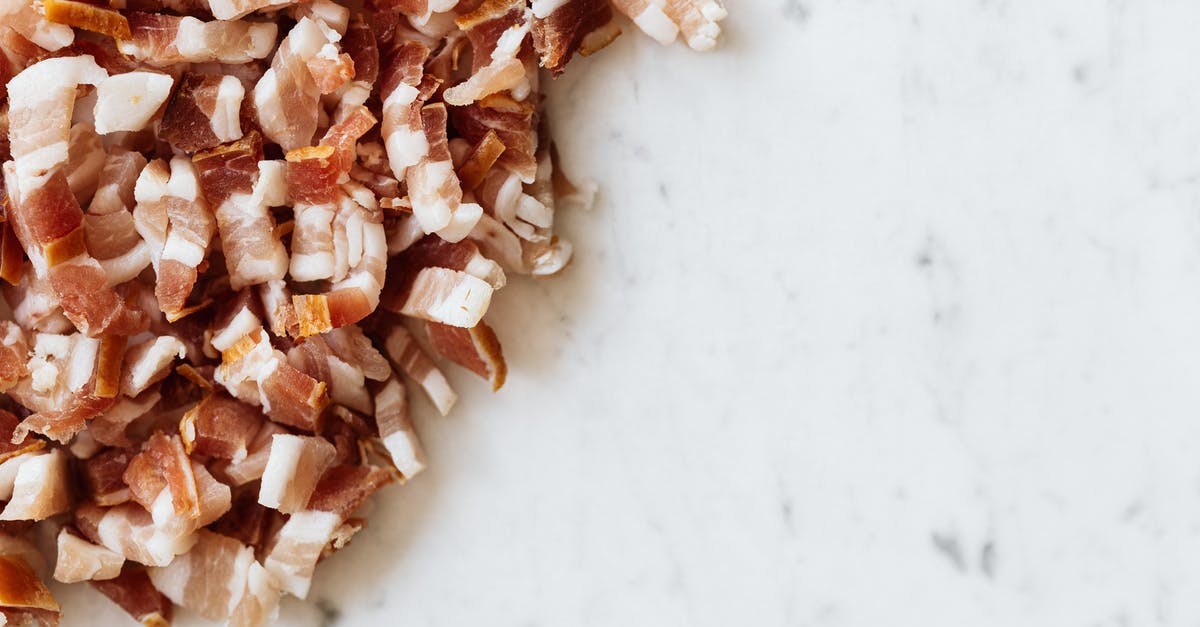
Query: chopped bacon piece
162	40
251	468
475	349
294	466
396	429
512	121
562	28
344	379
242	187
433	186
286	97
204	112
481	159
134	593
148	363
300	543
13	356
209	579
259	603
163	467
24	598
403	351
101	476
650	17
402	129
220	426
345	488
80	560
88	17
497	30
40	489
24	18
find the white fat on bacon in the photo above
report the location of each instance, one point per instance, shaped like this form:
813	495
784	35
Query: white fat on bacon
210	578
286	97
294	466
448	296
504	71
407	355
41	99
665	19
127	102
299	545
40	487
25	18
148	363
162	40
396	429
80	560
234	9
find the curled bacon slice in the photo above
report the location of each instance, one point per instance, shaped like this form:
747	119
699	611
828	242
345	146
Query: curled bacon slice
403	351
433	186
497	30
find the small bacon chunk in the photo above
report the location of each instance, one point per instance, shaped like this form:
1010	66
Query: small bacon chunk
402	128
209	579
251	468
24	599
345	488
80	560
649	16
13	355
24	18
403	351
41	98
88	17
220	426
134	593
101	476
287	95
396	429
162	40
294	466
204	112
475	349
163	466
148	363
259	603
242	187
129	530
433	186
572	26
497	31
41	487
301	541
512	121
109	427
697	20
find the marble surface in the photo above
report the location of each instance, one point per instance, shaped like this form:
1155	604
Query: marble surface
887	315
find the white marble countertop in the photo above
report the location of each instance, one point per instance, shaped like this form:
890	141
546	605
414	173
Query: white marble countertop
887	315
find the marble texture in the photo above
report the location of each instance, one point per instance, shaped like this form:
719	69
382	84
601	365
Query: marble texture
887	315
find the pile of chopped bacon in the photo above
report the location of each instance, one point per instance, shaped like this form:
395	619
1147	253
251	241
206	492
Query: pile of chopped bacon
233	233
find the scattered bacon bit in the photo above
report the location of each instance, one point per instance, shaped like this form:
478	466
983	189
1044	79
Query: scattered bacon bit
88	17
215	236
475	349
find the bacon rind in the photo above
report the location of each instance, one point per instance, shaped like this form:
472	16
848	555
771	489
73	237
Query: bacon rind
88	17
